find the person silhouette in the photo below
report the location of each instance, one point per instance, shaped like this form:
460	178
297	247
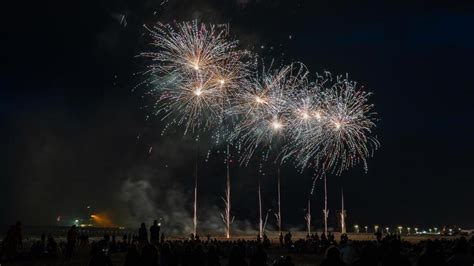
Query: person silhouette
332	257
71	241
133	257
155	233
236	258
212	256
162	238
394	256
149	255
259	257
142	235
100	256
461	254
429	256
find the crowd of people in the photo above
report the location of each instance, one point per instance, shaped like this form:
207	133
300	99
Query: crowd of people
149	247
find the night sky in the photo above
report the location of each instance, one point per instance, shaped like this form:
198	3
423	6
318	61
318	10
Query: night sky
74	133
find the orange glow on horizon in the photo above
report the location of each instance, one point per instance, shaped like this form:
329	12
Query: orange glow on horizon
102	220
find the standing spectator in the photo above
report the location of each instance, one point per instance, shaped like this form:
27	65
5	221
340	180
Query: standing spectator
71	241
288	239
347	249
142	235
155	233
162	238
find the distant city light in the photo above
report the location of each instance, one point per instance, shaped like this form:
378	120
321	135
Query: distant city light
356	228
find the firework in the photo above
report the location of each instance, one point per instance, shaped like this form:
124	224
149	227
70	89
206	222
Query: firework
200	80
341	136
304	108
194	70
261	108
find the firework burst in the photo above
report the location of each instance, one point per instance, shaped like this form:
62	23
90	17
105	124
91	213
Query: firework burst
342	137
261	108
194	71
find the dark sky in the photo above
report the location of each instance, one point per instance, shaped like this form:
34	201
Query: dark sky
70	121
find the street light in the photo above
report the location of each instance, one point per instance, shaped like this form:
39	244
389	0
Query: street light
356	228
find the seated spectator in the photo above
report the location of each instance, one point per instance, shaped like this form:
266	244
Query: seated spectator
149	256
100	256
133	257
429	256
332	257
461	254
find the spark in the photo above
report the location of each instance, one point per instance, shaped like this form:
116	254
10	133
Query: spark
198	91
277	125
259	100
304	115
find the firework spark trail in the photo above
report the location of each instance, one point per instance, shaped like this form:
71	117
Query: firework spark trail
195	219
343	213
260	220
308	217
325	211
279	204
226	216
